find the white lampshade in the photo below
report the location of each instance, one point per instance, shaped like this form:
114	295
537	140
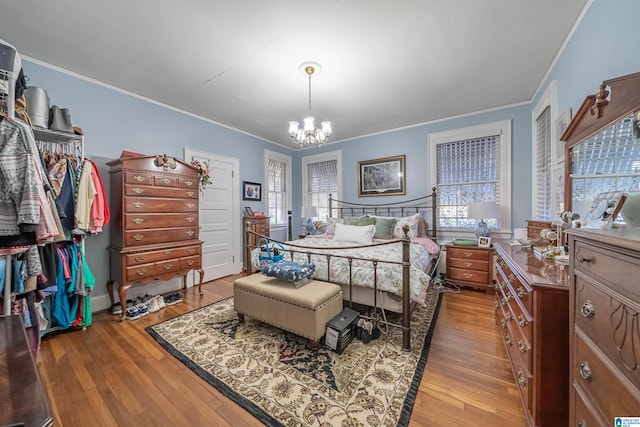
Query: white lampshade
326	128
308	124
482	210
309	212
293	128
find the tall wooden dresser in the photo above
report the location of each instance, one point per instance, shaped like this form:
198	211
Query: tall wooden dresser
155	226
532	312
605	326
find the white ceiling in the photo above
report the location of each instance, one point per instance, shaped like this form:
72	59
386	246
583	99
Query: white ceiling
386	64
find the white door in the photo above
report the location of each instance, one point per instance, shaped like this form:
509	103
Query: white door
219	207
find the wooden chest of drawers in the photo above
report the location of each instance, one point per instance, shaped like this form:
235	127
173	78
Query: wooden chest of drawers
532	312
471	266
156	225
605	338
256	224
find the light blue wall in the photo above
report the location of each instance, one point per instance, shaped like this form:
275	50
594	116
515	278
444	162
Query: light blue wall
604	46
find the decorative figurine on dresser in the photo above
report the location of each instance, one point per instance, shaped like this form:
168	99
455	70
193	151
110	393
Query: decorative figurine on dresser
155	235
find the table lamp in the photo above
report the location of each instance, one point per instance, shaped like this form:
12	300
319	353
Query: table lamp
309	212
482	211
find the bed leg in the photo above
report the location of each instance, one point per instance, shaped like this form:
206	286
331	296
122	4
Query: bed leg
314	344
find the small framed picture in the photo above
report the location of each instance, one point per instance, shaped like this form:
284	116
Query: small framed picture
484	242
248	211
251	191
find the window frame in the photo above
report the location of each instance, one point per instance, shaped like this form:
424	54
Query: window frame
502	128
548	99
317	158
283	158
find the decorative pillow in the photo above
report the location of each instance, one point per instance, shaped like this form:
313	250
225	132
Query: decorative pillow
384	227
289	270
432	247
412	221
354	233
331	224
359	220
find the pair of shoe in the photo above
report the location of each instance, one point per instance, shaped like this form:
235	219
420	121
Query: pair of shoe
136	311
155	303
116	309
366	331
173	298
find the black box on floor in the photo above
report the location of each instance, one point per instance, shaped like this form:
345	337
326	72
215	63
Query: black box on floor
340	330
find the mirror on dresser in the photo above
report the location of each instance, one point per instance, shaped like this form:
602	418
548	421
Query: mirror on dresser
602	146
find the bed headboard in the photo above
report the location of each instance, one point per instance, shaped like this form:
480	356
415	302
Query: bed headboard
426	205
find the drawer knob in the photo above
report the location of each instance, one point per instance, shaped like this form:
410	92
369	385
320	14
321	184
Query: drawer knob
587	309
585	371
503	324
138	237
166	181
190	205
522	292
138	178
190	233
190	219
522	321
468	254
582	423
190	262
508	317
139	259
167	267
190	193
522	378
468	264
583	259
140	272
192	250
138	220
138	204
522	346
507	341
138	190
188	183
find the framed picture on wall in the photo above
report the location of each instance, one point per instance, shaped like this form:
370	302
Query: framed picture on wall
251	191
382	177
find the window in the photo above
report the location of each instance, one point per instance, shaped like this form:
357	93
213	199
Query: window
472	165
547	167
278	167
321	176
606	162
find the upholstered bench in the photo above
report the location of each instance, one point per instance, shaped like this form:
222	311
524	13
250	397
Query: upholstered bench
304	311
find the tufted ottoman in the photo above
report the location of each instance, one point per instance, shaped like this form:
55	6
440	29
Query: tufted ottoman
304	311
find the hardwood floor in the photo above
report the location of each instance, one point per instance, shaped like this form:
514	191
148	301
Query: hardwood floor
115	374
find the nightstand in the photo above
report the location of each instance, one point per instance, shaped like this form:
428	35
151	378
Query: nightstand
471	266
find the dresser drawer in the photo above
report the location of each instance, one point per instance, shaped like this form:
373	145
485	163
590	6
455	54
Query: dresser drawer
612	269
480	277
468	264
583	414
612	325
165	181
168	266
466	253
141	221
138	178
140	272
160	235
153	256
157	205
141	190
189	262
188	183
599	383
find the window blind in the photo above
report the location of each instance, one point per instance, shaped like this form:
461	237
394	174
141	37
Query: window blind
543	173
322	181
277	188
467	171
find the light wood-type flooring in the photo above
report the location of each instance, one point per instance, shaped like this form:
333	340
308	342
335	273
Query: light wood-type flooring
114	374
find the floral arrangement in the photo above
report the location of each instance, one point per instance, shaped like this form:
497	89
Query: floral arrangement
318	225
203	168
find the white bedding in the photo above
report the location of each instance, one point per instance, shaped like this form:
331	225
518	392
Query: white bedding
389	276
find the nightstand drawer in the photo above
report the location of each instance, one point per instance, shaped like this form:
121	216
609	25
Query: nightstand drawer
480	277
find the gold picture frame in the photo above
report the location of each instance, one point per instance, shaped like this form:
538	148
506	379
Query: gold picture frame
382	177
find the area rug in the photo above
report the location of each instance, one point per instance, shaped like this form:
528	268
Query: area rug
282	382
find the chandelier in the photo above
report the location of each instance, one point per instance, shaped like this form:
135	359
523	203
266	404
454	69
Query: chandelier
309	134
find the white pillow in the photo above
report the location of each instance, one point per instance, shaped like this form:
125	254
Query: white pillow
412	221
354	233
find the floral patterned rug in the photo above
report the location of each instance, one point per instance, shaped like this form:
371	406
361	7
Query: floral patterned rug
275	376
